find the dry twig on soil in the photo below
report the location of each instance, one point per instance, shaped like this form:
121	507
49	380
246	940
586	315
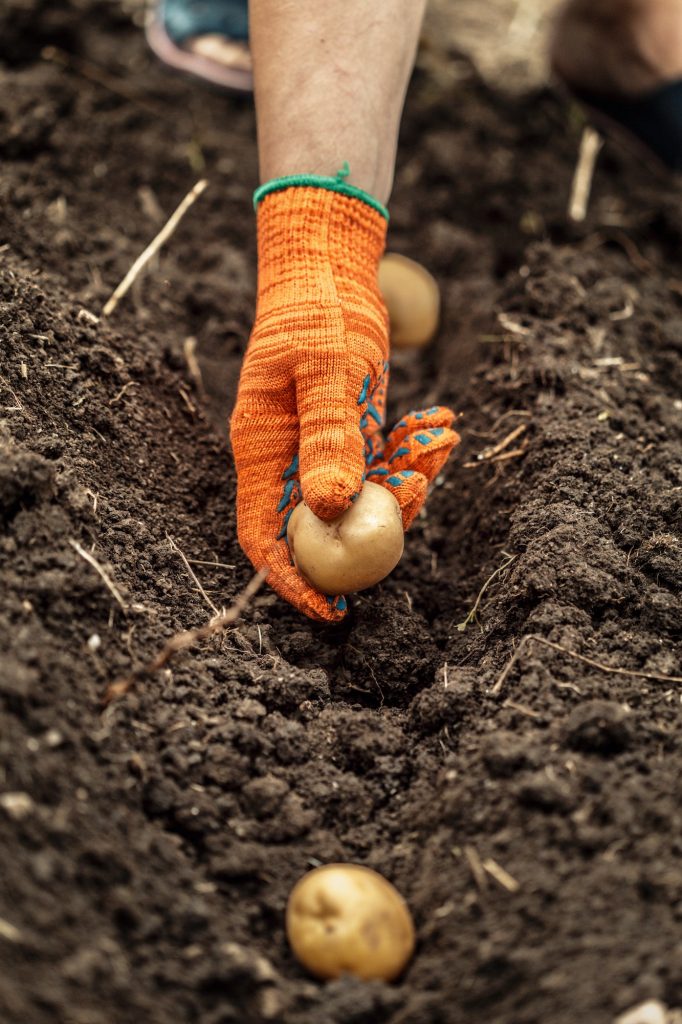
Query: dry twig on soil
190	570
515	453
219	565
15	408
9	932
189	348
187	400
126	387
610	669
471	617
153	247
108	582
501	876
476	867
497	453
590	144
181	641
512	325
489	453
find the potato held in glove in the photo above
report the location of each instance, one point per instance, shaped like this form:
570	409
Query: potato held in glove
352	552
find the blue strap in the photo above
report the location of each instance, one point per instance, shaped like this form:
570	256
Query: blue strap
184	19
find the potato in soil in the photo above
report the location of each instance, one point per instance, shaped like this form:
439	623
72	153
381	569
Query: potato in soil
348	919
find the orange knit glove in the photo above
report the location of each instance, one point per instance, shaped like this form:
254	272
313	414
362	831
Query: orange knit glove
312	391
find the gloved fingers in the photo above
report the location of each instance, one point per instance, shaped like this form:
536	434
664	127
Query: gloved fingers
268	490
425	449
408	487
416	449
417	422
372	400
425	452
331	443
374	449
373	408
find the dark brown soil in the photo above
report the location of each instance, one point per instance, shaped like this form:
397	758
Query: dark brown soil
146	866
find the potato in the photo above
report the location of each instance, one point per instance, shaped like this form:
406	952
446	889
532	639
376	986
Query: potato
347	919
412	299
352	552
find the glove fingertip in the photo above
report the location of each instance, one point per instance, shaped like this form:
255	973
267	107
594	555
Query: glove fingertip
327	494
409	488
437	417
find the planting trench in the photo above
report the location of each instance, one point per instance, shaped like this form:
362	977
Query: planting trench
532	821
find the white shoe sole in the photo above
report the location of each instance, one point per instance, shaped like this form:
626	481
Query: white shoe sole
235	79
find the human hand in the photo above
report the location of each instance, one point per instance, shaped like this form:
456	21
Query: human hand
311	400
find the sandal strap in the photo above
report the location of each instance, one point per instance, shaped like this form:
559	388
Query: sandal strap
186	19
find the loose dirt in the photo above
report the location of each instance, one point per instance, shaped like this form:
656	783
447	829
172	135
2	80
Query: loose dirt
534	827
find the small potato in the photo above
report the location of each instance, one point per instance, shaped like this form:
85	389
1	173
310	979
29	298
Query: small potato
352	552
412	299
347	919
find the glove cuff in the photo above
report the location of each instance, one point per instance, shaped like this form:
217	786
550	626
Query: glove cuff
336	184
316	243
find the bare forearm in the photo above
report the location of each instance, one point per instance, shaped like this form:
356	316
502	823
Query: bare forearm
330	82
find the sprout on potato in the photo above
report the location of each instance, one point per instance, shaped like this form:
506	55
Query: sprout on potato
347	919
412	300
352	552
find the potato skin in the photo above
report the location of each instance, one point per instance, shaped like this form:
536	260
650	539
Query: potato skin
348	919
352	552
412	299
